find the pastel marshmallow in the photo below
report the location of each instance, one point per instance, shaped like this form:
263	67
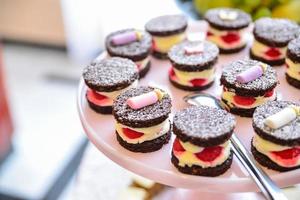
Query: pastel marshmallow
281	118
125	38
228	15
143	100
250	74
194	49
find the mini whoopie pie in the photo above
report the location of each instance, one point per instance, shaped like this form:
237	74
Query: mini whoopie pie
201	146
292	62
193	64
132	44
246	85
142	119
227	28
106	79
166	31
276	142
271	37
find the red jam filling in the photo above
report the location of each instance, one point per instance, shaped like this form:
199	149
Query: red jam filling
131	134
153	45
273	53
208	33
198	81
231	37
177	146
288	153
209	154
95	97
269	93
245	101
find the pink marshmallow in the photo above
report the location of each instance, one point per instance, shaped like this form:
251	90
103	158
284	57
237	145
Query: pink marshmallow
250	74
194	50
143	100
124	38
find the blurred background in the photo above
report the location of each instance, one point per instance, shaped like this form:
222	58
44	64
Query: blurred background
44	153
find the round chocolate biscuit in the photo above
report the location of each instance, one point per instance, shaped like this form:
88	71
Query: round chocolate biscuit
200	171
267	162
287	135
292	81
100	109
293	50
166	25
144	117
110	74
194	62
275	32
230	51
257	87
277	62
213	17
136	51
203	125
159	55
147	146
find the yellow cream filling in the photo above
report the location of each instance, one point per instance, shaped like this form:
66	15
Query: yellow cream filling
114	94
293	70
164	43
259	50
216	38
150	133
266	147
189	158
184	78
229	97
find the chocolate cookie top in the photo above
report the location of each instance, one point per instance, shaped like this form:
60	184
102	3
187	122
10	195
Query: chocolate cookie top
203	126
215	17
275	32
193	62
257	87
293	50
135	51
166	25
110	74
288	134
144	117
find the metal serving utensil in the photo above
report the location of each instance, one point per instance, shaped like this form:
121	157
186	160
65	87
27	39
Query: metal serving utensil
269	189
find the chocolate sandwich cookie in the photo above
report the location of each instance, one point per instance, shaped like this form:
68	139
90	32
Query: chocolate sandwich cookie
201	146
246	85
132	44
193	65
227	28
106	79
142	119
292	62
271	37
166	31
276	142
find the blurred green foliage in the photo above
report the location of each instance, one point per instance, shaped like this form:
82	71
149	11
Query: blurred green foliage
257	8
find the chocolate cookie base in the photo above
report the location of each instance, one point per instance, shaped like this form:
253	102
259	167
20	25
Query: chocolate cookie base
270	62
292	81
267	162
144	71
147	146
188	88
107	110
230	51
159	55
239	111
199	171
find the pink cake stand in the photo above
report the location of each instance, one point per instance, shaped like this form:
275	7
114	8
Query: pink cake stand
157	165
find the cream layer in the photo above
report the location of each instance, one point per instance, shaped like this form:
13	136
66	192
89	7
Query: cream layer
259	49
293	69
164	43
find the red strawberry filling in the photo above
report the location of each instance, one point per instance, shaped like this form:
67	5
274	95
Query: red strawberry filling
198	82
131	134
269	93
231	37
273	53
288	153
153	45
95	97
172	73
208	33
244	101
209	154
177	146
